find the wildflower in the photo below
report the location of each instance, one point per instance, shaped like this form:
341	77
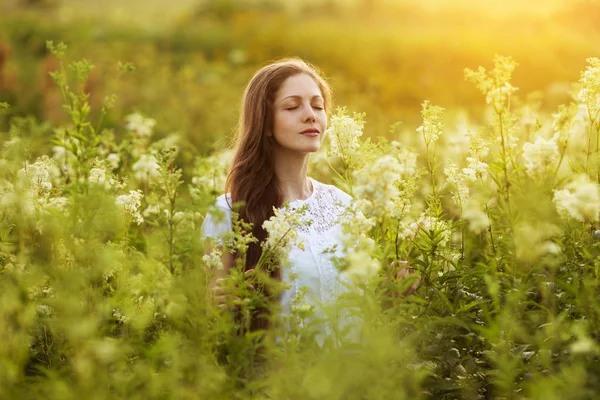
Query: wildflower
344	133
432	126
495	84
65	158
210	173
214	260
98	176
407	159
590	88
152	209
382	187
131	205
140	125
477	145
38	175
540	155
146	168
563	121
59	203
119	316
477	218
113	160
359	262
580	199
459	179
356	261
282	231
436	229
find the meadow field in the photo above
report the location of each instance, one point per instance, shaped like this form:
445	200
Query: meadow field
468	134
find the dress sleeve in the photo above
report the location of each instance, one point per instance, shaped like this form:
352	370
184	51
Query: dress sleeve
217	222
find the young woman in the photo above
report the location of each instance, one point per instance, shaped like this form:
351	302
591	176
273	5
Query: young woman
284	115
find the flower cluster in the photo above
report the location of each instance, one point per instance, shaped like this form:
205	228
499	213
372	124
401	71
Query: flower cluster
476	216
357	262
434	228
131	203
459	179
563	122
140	125
282	232
146	168
590	88
360	263
385	186
98	176
38	176
210	173
540	155
214	260
495	84
344	133
432	126
579	200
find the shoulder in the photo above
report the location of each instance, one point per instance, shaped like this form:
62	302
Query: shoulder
217	221
333	191
223	202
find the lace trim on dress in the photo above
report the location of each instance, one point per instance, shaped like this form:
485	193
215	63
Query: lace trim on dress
324	209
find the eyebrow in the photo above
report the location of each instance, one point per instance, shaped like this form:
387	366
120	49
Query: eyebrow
316	96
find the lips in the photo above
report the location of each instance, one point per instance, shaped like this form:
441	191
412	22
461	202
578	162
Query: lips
310	132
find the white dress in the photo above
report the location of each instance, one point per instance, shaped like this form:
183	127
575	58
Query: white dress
313	267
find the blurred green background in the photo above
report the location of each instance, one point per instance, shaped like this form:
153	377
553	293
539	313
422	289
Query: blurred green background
193	57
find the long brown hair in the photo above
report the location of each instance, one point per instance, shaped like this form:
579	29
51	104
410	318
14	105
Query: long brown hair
252	180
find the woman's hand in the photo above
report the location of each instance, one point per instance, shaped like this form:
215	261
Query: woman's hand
401	270
223	293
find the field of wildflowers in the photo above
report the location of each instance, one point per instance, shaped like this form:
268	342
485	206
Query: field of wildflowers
103	274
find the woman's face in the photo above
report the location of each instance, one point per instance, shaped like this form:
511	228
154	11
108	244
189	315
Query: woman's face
299	115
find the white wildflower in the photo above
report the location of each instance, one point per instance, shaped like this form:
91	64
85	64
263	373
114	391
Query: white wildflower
344	133
282	231
590	87
146	168
540	155
140	125
579	200
113	160
359	262
477	218
131	205
436	229
459	179
119	316
495	84
432	126
210	173
377	182
476	169
477	146
214	260
151	210
38	175
59	203
98	176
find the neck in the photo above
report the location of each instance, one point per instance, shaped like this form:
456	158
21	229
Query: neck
291	171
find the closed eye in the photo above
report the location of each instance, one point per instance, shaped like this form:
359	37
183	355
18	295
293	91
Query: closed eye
292	108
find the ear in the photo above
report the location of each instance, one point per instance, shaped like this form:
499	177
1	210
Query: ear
269	134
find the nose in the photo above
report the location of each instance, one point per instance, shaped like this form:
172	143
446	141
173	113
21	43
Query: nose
310	115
